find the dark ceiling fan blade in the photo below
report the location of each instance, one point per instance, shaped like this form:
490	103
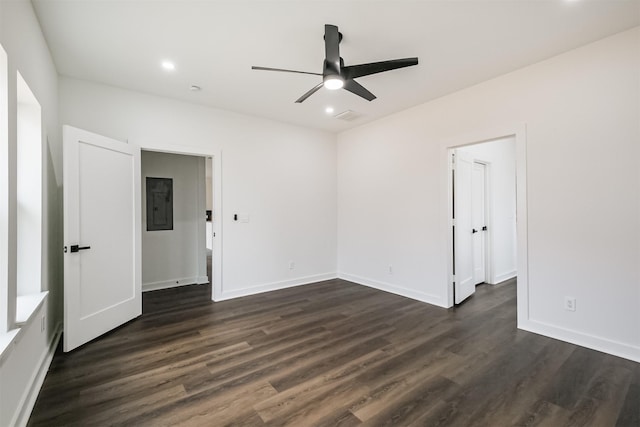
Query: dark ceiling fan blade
332	47
308	94
355	87
283	70
355	71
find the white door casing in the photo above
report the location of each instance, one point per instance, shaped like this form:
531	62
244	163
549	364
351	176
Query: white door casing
102	202
463	240
478	195
517	131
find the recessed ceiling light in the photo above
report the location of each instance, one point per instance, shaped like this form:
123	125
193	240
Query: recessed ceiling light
168	65
328	110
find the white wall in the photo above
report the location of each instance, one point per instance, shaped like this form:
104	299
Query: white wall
283	176
501	156
582	116
175	257
209	183
23	370
26	359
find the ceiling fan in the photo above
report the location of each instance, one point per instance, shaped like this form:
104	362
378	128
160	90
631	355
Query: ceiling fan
335	75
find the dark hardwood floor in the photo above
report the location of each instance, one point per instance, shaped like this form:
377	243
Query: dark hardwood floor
334	354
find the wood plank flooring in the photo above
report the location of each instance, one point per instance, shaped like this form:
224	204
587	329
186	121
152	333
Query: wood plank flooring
334	354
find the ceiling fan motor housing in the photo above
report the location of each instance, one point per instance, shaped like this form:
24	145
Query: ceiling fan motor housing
332	70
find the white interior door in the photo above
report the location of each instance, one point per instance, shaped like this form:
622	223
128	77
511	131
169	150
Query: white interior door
478	197
102	267
463	240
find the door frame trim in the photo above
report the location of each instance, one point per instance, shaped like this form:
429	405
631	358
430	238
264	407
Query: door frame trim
519	132
216	188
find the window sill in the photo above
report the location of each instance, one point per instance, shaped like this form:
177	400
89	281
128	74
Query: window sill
27	305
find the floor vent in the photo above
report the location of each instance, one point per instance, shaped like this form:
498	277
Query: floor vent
348	116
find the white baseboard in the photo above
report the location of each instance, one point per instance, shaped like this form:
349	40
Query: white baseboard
28	401
274	286
173	283
626	351
505	276
202	280
398	290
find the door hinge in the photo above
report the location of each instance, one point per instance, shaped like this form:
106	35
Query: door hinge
453	222
453	278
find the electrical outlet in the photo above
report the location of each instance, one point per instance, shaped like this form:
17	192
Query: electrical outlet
292	265
390	269
570	303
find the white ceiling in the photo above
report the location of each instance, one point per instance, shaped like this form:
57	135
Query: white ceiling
215	43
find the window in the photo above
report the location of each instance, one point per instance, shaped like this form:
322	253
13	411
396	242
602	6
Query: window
28	192
19	298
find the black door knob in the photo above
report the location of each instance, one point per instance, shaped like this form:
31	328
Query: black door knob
474	230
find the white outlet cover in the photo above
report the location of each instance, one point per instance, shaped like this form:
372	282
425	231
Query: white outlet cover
570	303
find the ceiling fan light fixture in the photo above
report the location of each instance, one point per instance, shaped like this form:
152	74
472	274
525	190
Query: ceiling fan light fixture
334	73
333	82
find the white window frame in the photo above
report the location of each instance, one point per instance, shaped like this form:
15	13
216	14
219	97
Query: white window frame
7	295
29	164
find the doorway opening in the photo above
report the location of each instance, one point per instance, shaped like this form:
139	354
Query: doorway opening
190	252
173	220
486	211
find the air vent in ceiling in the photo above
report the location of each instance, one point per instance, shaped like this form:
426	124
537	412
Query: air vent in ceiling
348	116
